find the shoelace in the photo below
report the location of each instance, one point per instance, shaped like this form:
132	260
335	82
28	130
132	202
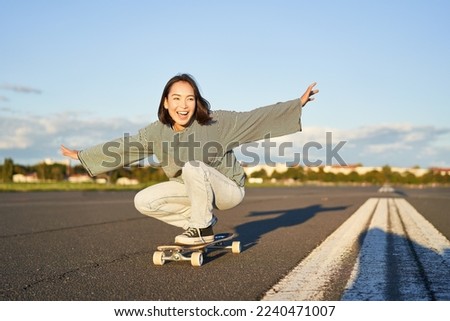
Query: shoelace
191	232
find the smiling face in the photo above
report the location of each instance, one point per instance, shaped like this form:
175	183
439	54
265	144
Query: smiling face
180	103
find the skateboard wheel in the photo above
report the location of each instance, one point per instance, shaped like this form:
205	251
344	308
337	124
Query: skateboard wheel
236	247
158	258
197	259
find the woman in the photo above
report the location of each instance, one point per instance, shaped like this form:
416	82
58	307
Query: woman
195	148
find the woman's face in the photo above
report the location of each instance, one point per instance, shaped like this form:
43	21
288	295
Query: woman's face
180	103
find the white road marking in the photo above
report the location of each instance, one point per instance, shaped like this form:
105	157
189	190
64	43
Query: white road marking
386	189
386	268
431	247
402	257
309	280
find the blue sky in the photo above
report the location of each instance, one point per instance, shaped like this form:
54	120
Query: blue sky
83	72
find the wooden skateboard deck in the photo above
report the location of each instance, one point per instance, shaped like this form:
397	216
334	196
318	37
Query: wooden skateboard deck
194	253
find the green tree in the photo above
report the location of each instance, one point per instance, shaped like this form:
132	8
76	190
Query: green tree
7	170
341	177
157	174
428	178
374	177
387	174
113	176
329	177
78	169
57	172
260	174
354	177
296	173
410	178
42	171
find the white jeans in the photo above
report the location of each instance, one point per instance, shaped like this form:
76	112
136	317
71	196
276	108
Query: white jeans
190	204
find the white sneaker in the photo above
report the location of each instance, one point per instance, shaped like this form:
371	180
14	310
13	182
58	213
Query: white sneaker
193	236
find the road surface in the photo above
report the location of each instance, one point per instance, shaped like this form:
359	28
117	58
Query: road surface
299	243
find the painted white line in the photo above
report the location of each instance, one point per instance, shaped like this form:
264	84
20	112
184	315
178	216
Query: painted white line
387	268
432	250
367	278
311	278
402	257
422	231
386	189
404	277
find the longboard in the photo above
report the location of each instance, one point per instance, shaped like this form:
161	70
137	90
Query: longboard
194	253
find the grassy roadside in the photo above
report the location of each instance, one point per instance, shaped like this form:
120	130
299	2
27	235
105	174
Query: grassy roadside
66	186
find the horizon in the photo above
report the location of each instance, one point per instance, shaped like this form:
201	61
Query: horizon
73	163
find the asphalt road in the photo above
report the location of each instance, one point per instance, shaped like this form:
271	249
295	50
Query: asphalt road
96	246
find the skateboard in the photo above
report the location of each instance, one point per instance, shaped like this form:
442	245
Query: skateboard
194	253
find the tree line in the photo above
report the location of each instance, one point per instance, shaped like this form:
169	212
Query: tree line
60	172
386	175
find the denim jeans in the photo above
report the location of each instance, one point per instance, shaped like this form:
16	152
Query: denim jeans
190	204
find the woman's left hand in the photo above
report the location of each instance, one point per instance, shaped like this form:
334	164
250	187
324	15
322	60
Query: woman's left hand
71	153
307	96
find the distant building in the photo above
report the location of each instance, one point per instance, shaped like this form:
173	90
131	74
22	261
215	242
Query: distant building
101	180
79	178
127	181
27	178
347	169
440	170
49	161
362	170
279	167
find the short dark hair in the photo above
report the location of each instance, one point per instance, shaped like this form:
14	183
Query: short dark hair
202	111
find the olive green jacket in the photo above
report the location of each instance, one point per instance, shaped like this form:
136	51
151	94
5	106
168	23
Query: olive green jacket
212	143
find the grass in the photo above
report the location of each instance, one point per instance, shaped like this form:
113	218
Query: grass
66	186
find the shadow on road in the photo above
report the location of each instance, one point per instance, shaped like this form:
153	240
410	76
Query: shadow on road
251	232
393	267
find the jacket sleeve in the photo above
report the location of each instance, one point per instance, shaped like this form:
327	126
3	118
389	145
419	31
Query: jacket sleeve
237	128
114	154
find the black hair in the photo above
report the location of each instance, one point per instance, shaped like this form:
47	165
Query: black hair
202	111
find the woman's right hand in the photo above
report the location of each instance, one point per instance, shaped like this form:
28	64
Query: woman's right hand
307	96
71	153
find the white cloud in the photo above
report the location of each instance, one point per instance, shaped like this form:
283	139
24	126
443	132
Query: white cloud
20	89
400	145
17	137
31	138
393	144
387	148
